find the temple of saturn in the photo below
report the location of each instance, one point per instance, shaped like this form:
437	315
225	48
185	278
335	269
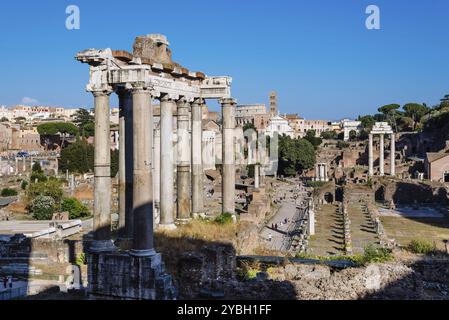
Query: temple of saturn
147	169
382	129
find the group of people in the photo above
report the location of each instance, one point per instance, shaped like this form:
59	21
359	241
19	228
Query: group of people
7	282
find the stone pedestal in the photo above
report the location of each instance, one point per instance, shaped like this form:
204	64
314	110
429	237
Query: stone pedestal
120	276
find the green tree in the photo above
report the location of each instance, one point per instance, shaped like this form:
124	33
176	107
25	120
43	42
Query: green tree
328	135
37	168
367	121
61	128
77	157
82	118
295	155
75	208
89	130
415	111
51	188
390	111
311	137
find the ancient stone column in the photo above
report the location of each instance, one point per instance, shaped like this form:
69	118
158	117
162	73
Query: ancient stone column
183	172
142	172
157	176
102	173
381	156
257	176
125	166
311	221
197	159
167	165
228	181
370	155
393	155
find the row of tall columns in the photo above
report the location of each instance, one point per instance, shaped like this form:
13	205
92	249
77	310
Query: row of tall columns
228	157
381	155
137	164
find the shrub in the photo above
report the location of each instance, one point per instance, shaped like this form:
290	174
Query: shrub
224	218
38	176
43	207
421	247
342	145
373	255
7	192
24	185
75	208
51	188
37	168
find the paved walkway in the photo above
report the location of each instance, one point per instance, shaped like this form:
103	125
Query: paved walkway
287	211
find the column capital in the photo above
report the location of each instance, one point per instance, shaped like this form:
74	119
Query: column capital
198	101
139	87
182	102
166	97
228	101
101	92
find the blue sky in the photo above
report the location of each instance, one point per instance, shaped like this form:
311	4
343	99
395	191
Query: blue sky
317	54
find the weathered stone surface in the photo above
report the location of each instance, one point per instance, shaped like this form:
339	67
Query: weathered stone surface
125	277
153	47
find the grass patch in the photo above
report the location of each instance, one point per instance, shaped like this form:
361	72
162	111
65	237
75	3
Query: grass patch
225	218
421	247
371	255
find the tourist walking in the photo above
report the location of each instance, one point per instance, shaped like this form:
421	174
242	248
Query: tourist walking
10	282
5	282
270	237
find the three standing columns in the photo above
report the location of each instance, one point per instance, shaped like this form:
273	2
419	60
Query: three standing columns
381	155
167	164
102	174
197	161
142	172
228	183
183	170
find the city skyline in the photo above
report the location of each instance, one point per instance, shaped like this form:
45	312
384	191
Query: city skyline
329	66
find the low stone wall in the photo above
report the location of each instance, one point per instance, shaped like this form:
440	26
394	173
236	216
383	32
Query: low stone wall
422	279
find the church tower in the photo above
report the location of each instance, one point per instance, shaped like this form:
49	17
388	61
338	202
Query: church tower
273	103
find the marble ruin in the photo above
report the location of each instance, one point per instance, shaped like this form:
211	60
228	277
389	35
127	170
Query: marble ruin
382	129
147	164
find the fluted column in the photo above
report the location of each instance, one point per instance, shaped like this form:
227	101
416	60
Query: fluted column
183	172
370	155
102	173
167	164
197	161
382	156
228	158
393	155
142	172
125	165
